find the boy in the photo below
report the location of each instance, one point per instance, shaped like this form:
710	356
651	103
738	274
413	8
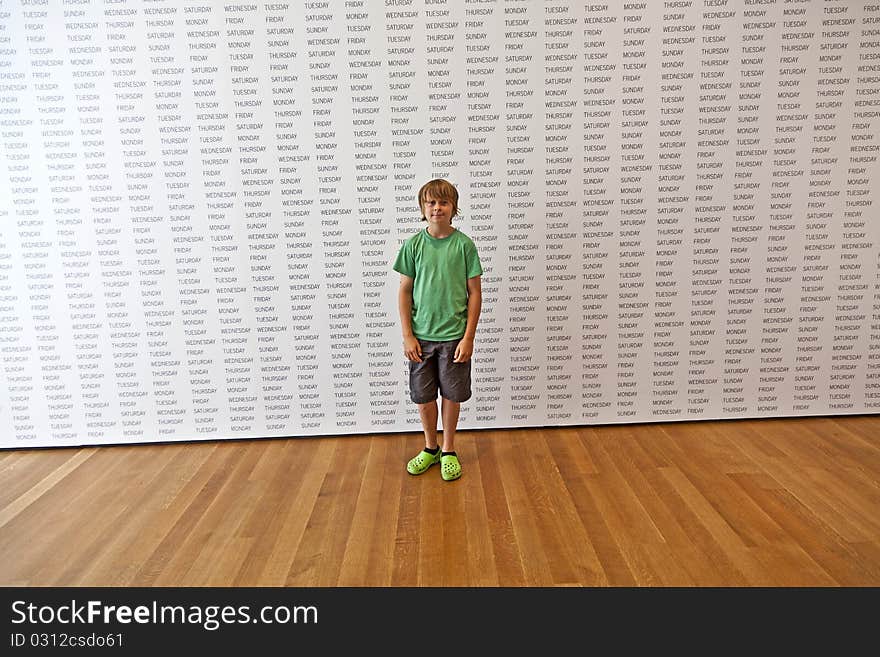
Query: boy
439	302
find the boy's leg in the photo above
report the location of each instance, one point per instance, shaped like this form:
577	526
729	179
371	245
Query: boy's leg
423	387
428	414
450	412
431	454
450	466
455	388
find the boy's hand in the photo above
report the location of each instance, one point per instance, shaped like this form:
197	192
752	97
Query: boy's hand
412	349
464	351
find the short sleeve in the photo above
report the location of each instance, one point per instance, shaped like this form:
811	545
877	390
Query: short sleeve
472	260
405	263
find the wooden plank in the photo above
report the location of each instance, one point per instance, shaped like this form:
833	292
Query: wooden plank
775	502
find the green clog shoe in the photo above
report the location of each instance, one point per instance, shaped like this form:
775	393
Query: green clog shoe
422	461
450	468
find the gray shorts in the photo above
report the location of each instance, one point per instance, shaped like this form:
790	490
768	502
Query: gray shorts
437	371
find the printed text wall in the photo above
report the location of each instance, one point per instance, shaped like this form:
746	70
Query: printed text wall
200	203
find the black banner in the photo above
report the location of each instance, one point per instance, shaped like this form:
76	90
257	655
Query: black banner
132	620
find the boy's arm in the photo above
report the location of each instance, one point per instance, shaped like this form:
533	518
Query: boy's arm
411	347
465	348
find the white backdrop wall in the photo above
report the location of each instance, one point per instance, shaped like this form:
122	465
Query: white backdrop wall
673	201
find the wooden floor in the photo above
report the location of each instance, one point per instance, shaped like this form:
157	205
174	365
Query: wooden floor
782	502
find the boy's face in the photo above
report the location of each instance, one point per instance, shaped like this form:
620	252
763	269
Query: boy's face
437	210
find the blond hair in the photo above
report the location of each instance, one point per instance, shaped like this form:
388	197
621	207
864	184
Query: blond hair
441	190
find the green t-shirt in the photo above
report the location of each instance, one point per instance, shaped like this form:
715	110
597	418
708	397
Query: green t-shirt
440	269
